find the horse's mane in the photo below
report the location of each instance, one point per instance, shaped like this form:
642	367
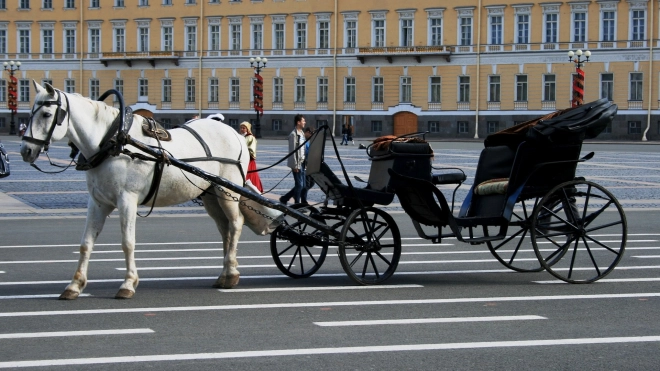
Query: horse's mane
102	111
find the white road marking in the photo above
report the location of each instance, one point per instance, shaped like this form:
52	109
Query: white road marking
414	321
325	351
199	267
609	280
25	335
329	304
646	256
321	288
34	296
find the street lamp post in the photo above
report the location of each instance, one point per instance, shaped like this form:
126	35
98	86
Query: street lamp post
578	78
12	100
258	91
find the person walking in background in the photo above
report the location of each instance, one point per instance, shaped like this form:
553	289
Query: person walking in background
295	162
349	133
246	130
344	135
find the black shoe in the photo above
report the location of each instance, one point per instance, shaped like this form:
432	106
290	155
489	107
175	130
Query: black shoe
282	200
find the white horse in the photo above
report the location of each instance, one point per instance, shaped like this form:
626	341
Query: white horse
122	183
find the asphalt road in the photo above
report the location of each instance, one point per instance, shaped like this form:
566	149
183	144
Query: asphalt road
450	306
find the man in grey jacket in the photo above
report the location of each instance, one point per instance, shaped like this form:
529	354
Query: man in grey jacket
296	163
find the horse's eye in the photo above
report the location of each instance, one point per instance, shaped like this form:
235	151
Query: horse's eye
47	114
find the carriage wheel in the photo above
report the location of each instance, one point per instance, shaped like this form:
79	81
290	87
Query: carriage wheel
515	251
304	248
369	246
584	237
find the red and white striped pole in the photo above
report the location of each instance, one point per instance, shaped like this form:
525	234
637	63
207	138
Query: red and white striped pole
578	78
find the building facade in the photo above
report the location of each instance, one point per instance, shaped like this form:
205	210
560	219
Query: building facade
456	69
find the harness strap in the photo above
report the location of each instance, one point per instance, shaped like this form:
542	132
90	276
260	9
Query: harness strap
210	157
199	139
155	183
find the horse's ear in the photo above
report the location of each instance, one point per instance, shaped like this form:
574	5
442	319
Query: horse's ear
50	89
37	87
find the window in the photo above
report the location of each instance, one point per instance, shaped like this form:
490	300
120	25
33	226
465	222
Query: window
191	38
24	4
257	36
634	127
24	41
300	89
190	90
234	90
433	127
166	90
233	123
521	88
278	84
494	88
637	25
607	86
464	89
47	41
3	41
213	90
119	40
278	36
3	90
350	39
549	87
465	31
143	90
492	127
214	37
378	89
496	29
324	35
323	90
119	3
405	94
350	89
379	33
376	126
94	3
522	28
407	32
235	35
608	30
192	2
636	86
94	40
46	4
462	127
320	123
69	86
143	3
579	27
143	39
435	31
169	2
94	89
3	124
277	125
168	36
69	4
435	94
69	41
551	27
301	35
118	86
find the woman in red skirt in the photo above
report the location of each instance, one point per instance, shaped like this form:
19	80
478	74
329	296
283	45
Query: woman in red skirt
252	176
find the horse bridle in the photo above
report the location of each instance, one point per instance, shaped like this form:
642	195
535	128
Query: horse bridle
57	120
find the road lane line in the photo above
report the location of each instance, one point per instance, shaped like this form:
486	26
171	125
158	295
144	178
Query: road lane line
415	321
609	280
321	288
329	304
327	351
646	256
26	335
11	297
199	267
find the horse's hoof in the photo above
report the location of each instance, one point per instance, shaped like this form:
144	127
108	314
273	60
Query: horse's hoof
226	282
124	294
69	295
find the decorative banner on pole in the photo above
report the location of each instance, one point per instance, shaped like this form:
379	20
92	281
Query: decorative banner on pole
12	101
258	94
578	87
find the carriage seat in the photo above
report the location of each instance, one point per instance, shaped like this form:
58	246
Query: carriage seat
448	178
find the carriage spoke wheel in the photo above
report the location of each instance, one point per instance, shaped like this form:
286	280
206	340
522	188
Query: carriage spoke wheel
369	246
299	249
515	250
584	236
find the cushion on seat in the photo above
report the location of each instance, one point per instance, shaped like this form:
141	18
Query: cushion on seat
492	187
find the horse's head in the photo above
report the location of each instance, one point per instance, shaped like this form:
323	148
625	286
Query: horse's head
48	113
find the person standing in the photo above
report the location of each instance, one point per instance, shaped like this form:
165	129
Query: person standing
344	135
295	162
246	130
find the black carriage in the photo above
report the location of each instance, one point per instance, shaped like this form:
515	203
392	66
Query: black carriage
526	204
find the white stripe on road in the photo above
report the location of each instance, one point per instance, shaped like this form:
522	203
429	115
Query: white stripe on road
646	256
321	288
329	304
26	335
8	297
609	280
415	321
322	351
199	267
